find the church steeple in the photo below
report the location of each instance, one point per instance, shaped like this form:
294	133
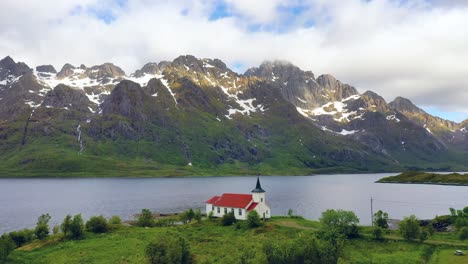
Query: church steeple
258	187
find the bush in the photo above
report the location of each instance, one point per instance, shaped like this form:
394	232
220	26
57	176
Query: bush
290	212
77	227
42	227
344	222
198	216
378	233
168	249
409	228
7	245
115	220
381	219
66	226
463	234
253	219
332	246
301	250
56	230
21	237
97	224
145	218
228	219
210	215
423	235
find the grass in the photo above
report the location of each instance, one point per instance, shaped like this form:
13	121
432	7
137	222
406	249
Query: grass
427	178
212	243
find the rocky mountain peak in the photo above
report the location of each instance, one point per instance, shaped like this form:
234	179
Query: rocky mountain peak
66	71
10	69
46	69
108	70
150	68
405	105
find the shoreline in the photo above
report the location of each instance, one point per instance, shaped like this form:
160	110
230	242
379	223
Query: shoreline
426	183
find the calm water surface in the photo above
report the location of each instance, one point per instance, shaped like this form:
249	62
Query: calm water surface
23	200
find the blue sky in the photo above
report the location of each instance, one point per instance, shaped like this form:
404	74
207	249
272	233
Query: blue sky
410	48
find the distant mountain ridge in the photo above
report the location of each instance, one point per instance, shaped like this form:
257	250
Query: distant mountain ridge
196	116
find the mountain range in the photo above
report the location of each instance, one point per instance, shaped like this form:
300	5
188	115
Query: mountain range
194	116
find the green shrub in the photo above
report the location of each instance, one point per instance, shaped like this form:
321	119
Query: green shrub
168	249
145	218
198	216
378	233
423	235
21	237
210	215
463	234
97	224
66	226
301	250
253	219
228	219
409	228
7	245
56	230
115	220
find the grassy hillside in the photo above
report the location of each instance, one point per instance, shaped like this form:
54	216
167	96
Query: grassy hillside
211	243
427	178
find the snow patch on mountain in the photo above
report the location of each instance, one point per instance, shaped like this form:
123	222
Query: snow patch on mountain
337	109
393	117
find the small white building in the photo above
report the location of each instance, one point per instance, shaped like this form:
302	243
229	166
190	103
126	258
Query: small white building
240	204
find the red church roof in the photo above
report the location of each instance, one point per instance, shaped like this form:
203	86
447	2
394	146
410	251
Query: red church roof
231	200
252	206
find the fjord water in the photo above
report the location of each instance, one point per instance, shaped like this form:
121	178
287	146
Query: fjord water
23	200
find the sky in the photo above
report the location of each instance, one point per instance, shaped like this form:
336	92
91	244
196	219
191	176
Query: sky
411	48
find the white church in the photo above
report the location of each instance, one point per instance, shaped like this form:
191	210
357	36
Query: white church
240	204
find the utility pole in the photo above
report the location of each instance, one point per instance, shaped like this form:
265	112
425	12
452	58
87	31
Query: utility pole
372	211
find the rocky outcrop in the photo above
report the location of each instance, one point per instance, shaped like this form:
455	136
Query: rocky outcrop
46	69
64	97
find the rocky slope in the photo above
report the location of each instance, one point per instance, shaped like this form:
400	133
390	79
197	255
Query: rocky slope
196	116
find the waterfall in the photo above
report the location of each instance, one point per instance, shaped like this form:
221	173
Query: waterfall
80	139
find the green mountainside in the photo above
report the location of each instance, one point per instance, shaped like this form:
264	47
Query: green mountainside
197	117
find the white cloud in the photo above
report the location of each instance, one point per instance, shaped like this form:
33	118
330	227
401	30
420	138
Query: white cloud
415	49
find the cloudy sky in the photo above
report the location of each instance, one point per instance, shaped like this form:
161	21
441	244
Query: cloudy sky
414	48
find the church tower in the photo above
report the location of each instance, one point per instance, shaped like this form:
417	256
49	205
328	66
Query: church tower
258	194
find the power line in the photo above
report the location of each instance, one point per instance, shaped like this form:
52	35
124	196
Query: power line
413	203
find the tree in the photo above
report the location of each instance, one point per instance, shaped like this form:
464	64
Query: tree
168	249
66	225
55	230
344	222
198	216
381	219
77	227
7	245
290	212
409	228
228	219
463	234
253	219
145	219
332	246
42	227
97	224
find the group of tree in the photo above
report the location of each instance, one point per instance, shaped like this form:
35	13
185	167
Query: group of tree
460	220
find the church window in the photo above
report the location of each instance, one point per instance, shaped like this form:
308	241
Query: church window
240	211
261	199
225	210
219	210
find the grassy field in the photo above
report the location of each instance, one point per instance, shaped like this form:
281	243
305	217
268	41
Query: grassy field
427	178
212	243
